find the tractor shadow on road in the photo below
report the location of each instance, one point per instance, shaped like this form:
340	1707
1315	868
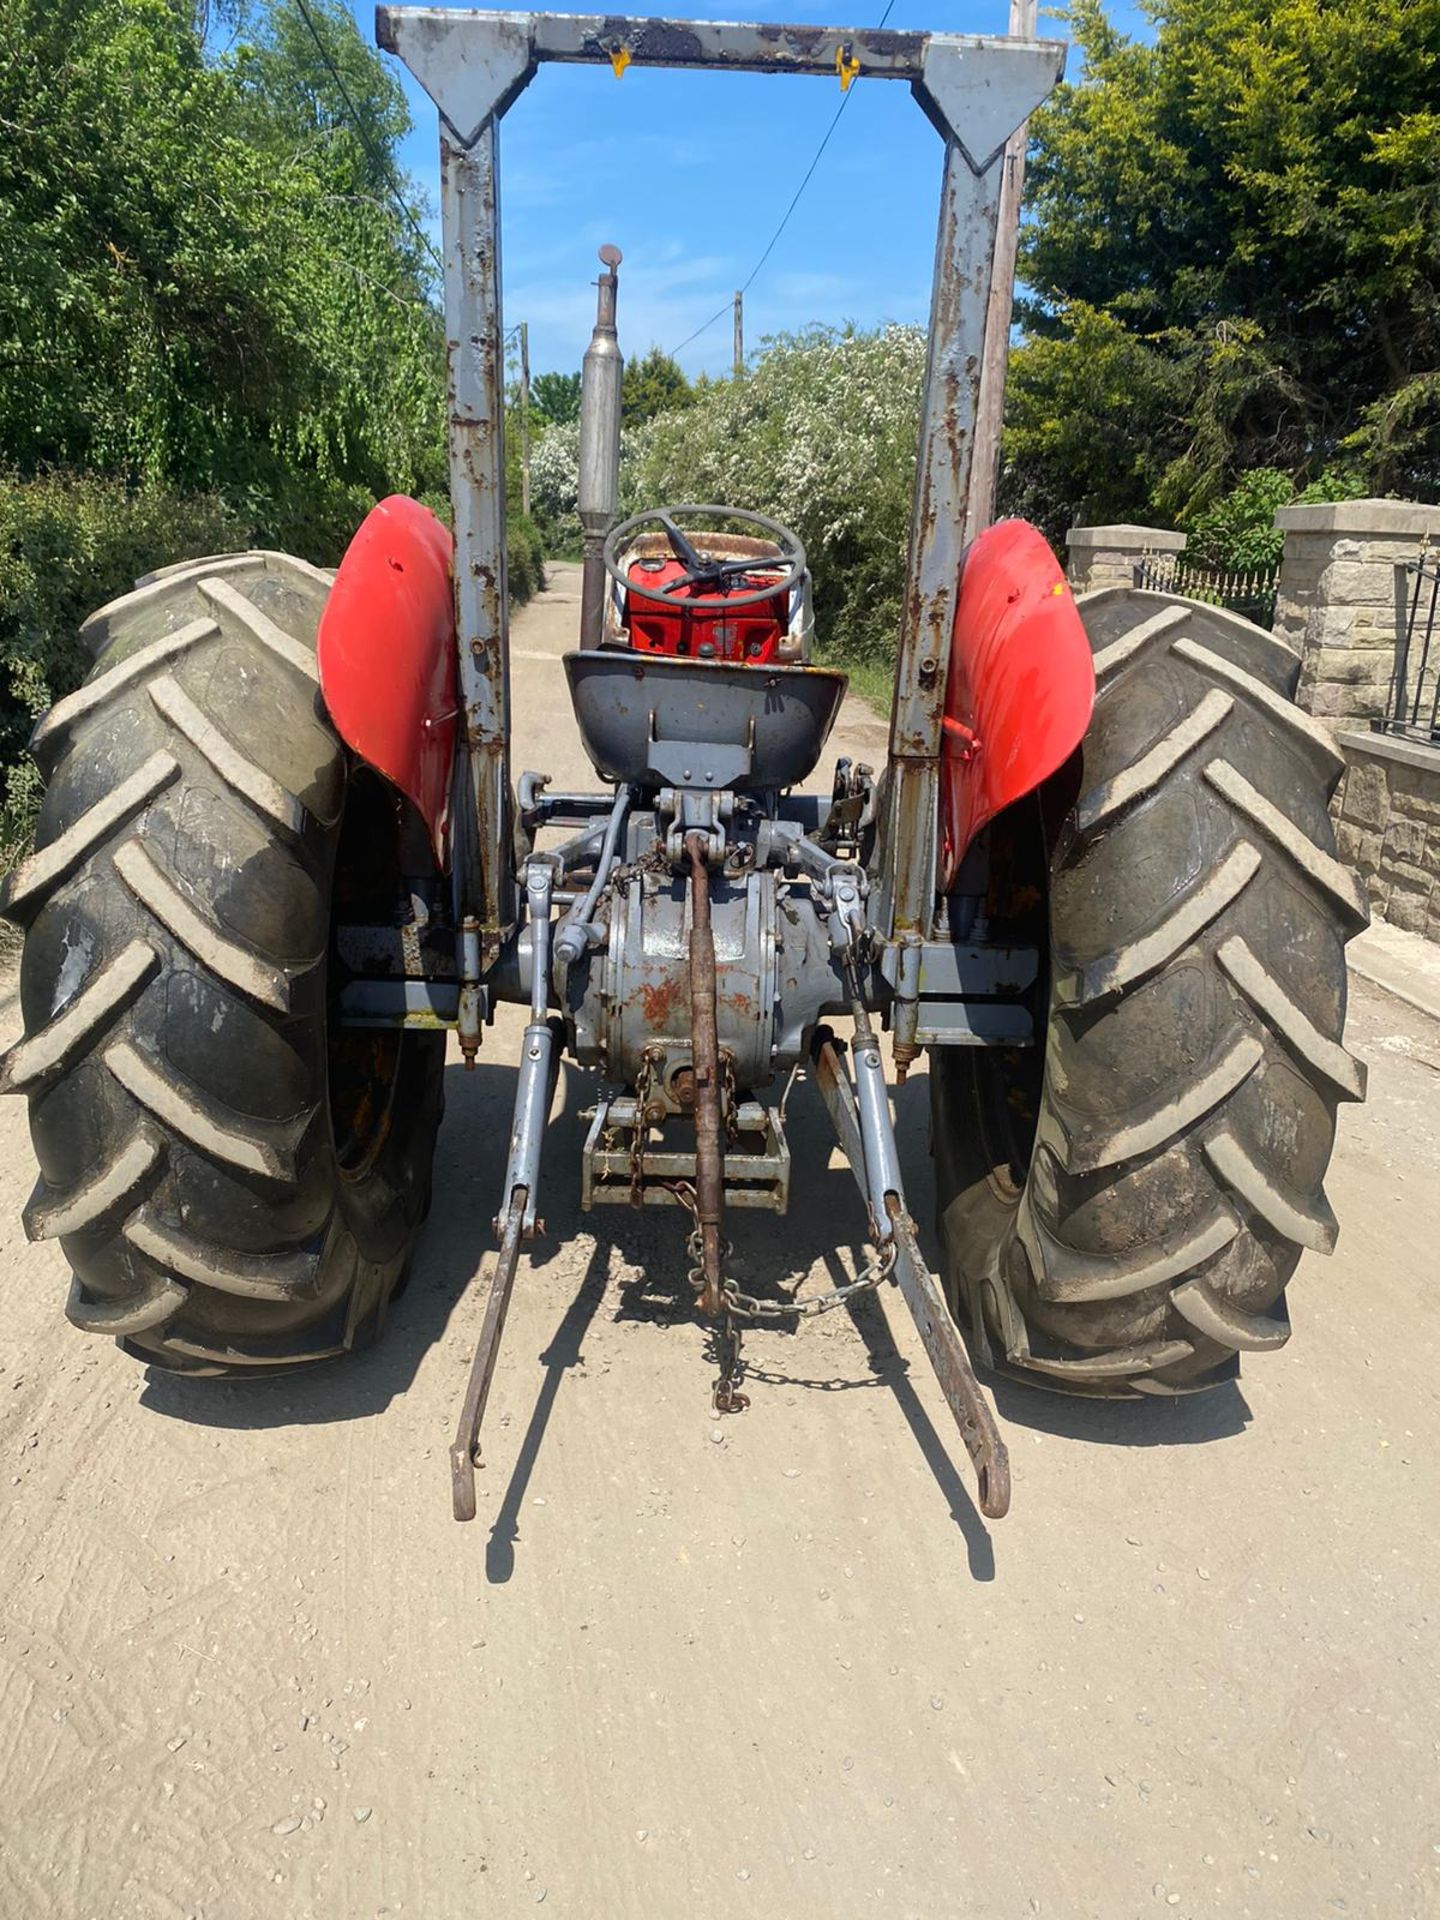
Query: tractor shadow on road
636	1267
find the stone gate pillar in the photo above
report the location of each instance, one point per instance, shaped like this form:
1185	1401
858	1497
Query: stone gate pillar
1338	598
1108	556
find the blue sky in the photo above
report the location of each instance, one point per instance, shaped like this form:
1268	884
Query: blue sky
688	174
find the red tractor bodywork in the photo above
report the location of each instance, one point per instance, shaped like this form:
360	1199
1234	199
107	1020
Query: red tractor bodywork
708	630
386	648
1018	698
1021	683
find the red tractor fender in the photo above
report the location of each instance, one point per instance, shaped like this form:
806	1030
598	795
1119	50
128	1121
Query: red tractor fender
386	648
1021	684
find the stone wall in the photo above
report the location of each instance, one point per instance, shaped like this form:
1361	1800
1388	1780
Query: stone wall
1337	606
1387	826
1108	556
1337	600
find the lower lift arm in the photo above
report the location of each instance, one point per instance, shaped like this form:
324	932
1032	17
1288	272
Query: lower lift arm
867	1136
539	1064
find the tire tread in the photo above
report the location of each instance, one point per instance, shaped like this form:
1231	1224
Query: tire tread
1152	1240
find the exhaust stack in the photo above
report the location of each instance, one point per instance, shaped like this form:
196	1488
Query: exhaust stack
599	446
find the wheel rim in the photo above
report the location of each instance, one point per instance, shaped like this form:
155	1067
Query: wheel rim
364	1072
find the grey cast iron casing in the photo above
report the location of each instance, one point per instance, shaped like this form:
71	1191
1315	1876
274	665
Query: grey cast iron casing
776	976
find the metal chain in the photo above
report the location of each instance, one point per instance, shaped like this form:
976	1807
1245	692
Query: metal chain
728	1096
644	1081
880	1268
727	1397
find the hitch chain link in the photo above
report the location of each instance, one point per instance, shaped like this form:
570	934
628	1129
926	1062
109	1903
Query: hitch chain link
727	1398
879	1268
644	1085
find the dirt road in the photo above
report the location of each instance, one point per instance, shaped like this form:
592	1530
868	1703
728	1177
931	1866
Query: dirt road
251	1667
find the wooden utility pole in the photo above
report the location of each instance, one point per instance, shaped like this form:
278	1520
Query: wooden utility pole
525	418
990	407
739	336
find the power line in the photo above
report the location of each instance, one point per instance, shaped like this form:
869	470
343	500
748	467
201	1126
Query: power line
378	156
771	244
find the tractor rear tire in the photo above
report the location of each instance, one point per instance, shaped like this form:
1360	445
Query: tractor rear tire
1122	1208
236	1181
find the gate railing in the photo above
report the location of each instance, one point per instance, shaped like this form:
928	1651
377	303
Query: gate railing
1246	590
1412	707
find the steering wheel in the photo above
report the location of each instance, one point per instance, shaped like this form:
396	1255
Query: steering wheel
712	576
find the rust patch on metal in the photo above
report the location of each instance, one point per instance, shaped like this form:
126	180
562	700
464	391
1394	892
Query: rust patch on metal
659	1001
898	46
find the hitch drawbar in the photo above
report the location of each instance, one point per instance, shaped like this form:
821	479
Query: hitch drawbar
860	1111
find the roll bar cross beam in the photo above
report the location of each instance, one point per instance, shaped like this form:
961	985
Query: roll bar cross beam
976	91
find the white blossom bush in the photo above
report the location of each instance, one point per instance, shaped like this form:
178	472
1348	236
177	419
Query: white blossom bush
820	434
555	480
554	484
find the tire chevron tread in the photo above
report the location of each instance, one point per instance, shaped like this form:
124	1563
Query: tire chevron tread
1129	965
1142	776
189	1117
139	1312
66	714
169	1191
1308	734
236	965
257	1277
1174	1113
51	1216
227	599
1120	1303
1319	867
44	871
256	787
110	988
1324	1059
1310	1226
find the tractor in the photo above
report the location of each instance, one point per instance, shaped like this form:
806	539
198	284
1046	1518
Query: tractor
283	856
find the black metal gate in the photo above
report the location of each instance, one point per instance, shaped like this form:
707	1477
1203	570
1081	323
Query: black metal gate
1413	706
1246	590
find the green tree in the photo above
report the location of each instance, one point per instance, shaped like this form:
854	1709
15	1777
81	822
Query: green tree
204	279
1089	413
217	310
555	397
1254	199
651	386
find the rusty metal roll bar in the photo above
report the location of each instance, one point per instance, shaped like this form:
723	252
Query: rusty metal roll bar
976	91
